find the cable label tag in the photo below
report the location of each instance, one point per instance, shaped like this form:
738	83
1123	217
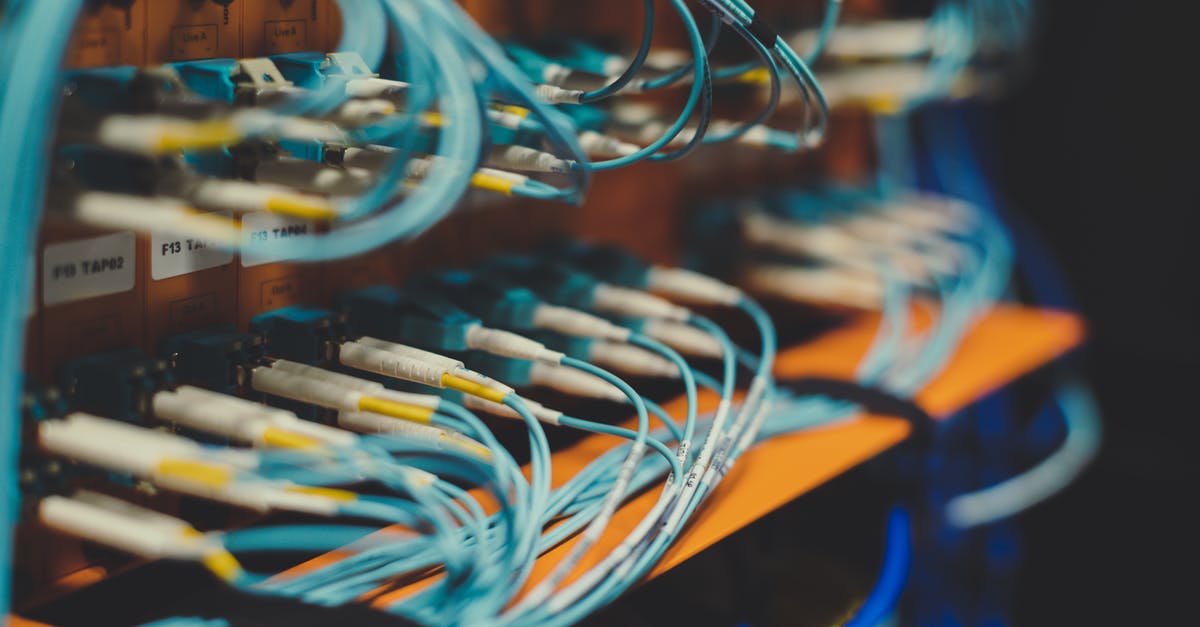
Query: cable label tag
172	256
88	268
262	229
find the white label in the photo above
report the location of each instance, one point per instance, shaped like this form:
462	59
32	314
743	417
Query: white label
172	256
263	230
88	268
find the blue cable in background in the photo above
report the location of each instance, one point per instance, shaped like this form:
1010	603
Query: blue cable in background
28	108
897	558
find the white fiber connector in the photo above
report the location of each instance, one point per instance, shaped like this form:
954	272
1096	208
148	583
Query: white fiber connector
240	419
258	121
629	302
157	134
113	445
600	145
577	323
305	389
244	196
575	382
365	386
379	361
175	463
507	344
405	350
528	159
558	95
631	359
692	287
374	87
366	422
505	119
684	338
363	111
314	177
154	215
830	285
124	526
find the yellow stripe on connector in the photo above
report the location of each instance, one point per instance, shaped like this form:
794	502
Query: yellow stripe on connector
492	183
204	473
198	136
521	112
314	209
223	564
472	388
757	76
478	451
281	438
411	413
433	118
333	494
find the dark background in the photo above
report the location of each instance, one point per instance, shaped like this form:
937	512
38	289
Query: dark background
1096	149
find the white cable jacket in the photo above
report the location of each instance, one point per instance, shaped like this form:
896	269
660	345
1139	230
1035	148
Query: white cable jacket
153	215
507	344
629	302
529	159
684	338
366	422
360	111
577	323
363	357
692	286
599	145
632	360
575	382
558	95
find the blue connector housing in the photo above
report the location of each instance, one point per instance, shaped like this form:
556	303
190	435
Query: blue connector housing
215	359
556	283
609	263
302	334
418	317
211	78
116	385
497	304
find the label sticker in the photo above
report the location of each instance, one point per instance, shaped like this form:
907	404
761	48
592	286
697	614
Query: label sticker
194	42
262	230
172	256
88	268
285	36
94	48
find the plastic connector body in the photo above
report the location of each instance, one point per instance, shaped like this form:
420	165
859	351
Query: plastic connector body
608	263
555	283
302	334
215	359
418	317
501	304
116	385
